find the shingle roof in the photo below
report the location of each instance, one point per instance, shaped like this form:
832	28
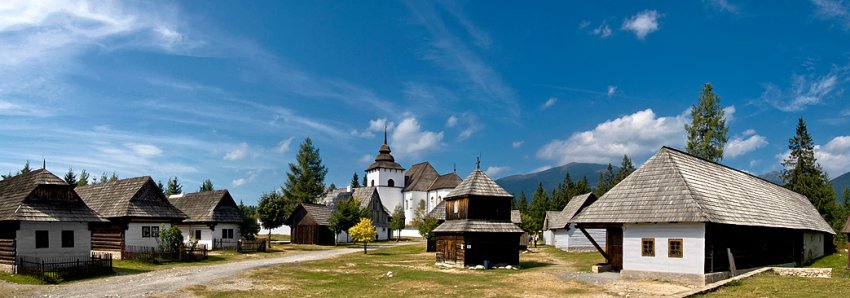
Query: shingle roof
333	197
208	206
420	176
41	196
478	184
561	219
133	197
320	213
450	180
439	211
846	228
468	225
385	159
674	186
552	220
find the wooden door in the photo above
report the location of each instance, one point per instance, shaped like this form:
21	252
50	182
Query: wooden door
451	253
615	247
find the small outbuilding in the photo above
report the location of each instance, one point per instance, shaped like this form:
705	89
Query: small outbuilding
309	224
846	230
685	219
214	218
478	228
559	232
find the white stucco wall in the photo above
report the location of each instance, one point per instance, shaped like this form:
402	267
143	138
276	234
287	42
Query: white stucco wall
390	197
435	197
549	237
133	235
693	243
207	235
813	245
411	202
383	234
383	176
25	239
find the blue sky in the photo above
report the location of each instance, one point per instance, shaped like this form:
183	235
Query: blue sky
227	90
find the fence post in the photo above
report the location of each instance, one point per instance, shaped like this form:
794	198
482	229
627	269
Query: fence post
42	268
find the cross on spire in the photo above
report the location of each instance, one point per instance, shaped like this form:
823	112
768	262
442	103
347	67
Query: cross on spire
478	162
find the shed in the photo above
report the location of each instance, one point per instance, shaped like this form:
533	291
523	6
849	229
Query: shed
846	230
559	232
309	224
214	218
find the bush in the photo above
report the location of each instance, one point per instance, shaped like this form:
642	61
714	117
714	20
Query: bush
170	239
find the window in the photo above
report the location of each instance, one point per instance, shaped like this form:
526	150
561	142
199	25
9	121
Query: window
146	232
456	206
648	247
42	239
197	234
155	231
227	233
67	238
390	183
674	248
373	183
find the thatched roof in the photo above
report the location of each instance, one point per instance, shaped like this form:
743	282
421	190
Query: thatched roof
674	186
133	197
450	180
208	207
320	213
561	219
478	184
420	176
469	225
41	196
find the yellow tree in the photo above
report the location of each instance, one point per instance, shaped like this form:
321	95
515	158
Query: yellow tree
363	231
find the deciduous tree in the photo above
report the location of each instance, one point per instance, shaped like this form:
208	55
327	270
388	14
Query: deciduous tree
397	222
271	211
707	131
364	231
346	214
249	226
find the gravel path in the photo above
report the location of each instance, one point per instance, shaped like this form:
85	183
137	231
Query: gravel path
164	282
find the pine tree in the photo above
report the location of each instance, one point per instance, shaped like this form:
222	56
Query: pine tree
206	186
561	196
626	169
582	186
25	169
114	177
522	205
70	177
538	208
606	181
306	177
846	197
355	181
84	178
161	187
707	131
173	187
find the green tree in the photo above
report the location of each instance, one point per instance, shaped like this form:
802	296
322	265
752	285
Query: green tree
271	211
113	177
84	178
173	187
397	221
25	169
606	181
846	197
427	226
70	177
331	188
158	184
538	208
103	178
306	177
249	226
355	181
626	169
206	186
346	214
419	214
707	131
582	186
522	205
563	193
363	231
170	239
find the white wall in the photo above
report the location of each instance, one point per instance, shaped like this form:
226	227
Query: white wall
25	239
383	176
383	234
411	202
435	197
813	245
282	230
549	237
390	197
133	235
207	235
693	253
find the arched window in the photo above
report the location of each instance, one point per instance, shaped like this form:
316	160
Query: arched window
373	183
390	183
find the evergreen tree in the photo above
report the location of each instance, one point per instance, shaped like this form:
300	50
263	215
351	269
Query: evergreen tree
397	220
161	187
355	181
173	187
306	177
331	188
206	186
707	131
582	186
522	205
626	169
562	195
70	177
846	197
606	181
538	208
84	178
271	211
25	169
114	177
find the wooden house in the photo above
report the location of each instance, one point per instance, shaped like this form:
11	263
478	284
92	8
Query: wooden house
478	228
439	213
559	232
685	219
214	218
41	216
309	224
135	210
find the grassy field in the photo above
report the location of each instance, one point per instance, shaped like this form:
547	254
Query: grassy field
413	275
772	285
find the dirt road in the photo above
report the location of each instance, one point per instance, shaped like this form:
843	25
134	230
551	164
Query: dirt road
161	282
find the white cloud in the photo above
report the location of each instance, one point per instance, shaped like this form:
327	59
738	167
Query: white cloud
729	114
146	150
602	31
471	126
366	159
375	126
549	103
283	146
517	144
238	182
833	10
741	145
804	90
452	121
612	90
724	6
541	168
583	24
240	152
637	135
834	157
494	171
409	138
643	23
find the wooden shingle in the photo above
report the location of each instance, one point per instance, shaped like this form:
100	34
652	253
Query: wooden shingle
41	196
478	184
208	207
133	197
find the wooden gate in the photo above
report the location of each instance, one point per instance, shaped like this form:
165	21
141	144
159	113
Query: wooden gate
614	245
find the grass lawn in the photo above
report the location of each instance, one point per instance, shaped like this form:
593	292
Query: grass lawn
275	237
582	261
21	279
772	285
413	274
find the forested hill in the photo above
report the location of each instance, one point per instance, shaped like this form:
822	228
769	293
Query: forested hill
552	177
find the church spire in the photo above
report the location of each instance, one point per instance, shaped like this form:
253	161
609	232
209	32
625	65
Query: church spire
385	133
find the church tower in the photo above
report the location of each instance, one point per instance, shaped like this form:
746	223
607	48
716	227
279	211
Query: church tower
387	176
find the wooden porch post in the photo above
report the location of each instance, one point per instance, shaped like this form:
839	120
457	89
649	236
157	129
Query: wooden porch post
601	251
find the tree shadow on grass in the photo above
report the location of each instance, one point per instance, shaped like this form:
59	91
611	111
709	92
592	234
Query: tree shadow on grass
533	264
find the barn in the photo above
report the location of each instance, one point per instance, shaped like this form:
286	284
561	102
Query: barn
478	228
685	219
559	232
309	224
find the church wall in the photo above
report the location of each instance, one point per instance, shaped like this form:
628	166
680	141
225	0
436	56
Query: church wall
381	177
411	202
435	197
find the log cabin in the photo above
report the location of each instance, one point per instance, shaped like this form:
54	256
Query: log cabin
685	219
478	228
439	213
41	216
309	224
559	232
214	218
135	210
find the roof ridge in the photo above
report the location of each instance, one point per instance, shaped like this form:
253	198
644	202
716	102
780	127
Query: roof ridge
691	195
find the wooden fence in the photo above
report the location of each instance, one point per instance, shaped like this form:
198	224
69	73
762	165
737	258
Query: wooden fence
156	254
225	244
59	268
251	245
